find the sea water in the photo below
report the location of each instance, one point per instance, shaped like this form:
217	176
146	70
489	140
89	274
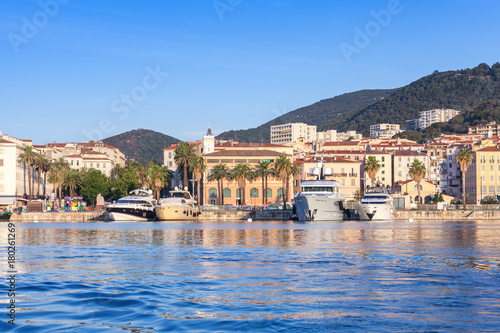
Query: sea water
259	276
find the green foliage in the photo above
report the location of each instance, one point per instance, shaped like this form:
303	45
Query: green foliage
437	197
316	114
141	145
94	182
489	200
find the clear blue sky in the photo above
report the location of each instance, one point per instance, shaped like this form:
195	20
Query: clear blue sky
67	69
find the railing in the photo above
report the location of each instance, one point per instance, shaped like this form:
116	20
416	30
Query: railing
460	207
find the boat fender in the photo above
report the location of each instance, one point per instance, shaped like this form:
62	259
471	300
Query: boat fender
341	205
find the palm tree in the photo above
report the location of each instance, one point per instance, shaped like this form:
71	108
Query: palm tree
464	159
241	173
219	172
198	167
264	170
57	173
156	178
417	172
117	171
183	155
285	169
372	166
38	165
72	181
28	157
45	167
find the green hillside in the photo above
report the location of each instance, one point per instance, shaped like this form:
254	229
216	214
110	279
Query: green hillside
461	90
316	114
142	145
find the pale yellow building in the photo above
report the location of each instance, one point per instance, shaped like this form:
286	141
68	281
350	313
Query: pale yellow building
482	178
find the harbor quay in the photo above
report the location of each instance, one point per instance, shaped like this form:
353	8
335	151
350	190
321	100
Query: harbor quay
277	215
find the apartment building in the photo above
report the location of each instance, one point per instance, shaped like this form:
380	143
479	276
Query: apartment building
488	130
427	118
14	181
402	161
291	132
482	178
253	191
384	175
384	130
333	135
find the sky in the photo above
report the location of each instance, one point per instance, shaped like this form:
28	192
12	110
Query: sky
79	70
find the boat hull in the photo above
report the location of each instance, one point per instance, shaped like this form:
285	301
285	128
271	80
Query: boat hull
130	214
176	213
318	208
5	217
375	212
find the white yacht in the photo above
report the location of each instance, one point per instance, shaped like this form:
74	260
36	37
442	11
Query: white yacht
320	200
180	205
139	205
377	204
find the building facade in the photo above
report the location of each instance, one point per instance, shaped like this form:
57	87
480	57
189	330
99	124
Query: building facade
290	132
482	178
488	130
384	130
427	118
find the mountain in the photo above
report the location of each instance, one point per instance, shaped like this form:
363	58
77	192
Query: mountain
142	145
460	90
316	114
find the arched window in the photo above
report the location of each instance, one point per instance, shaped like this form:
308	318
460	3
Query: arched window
254	193
280	193
421	187
212	193
238	193
227	193
269	193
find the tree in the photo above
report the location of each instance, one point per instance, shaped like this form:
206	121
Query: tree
72	181
372	166
264	170
464	159
219	172
93	183
116	172
155	178
57	173
285	169
417	173
28	157
46	165
198	167
183	155
241	173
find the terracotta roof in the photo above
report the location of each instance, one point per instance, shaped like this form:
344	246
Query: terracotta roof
341	143
489	149
407	153
257	152
248	145
73	156
378	152
345	151
5	141
326	160
403	182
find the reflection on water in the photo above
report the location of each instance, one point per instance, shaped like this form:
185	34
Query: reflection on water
271	276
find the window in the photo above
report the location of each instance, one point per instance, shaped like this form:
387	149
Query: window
212	193
77	162
254	193
383	179
280	193
383	165
91	165
227	193
71	162
492	178
104	165
491	167
449	165
400	174
353	182
498	189
269	193
483	158
170	163
170	155
492	159
98	165
483	178
491	189
449	174
399	165
483	168
483	189
342	182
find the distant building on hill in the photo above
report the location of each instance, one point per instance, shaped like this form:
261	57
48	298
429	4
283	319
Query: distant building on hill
290	132
429	117
333	135
489	130
384	130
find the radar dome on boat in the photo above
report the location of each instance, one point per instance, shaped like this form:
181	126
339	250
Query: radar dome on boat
328	171
315	171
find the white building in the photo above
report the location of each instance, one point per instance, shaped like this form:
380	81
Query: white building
384	130
333	135
290	132
427	118
14	181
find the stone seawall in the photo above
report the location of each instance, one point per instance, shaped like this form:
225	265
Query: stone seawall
266	215
58	217
448	215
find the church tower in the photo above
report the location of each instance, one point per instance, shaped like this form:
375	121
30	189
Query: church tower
208	142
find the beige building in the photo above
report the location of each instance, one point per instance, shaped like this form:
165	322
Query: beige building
290	132
384	174
402	161
488	130
384	130
482	178
427	118
333	135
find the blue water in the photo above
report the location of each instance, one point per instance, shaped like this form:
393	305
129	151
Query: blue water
259	277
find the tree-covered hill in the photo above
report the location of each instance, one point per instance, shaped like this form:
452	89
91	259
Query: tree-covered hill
316	114
460	90
142	145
